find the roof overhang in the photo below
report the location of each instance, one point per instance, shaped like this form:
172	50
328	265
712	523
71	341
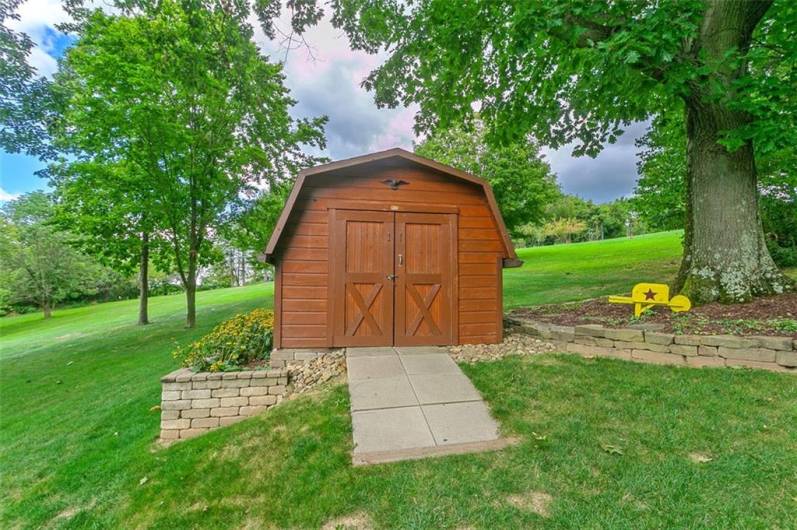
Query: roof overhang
510	258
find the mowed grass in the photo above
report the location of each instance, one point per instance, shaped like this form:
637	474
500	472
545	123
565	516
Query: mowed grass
75	397
564	273
601	444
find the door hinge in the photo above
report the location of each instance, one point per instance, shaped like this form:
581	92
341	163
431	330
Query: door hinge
392	276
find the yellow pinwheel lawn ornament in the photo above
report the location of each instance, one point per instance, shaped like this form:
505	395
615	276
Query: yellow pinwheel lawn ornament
646	295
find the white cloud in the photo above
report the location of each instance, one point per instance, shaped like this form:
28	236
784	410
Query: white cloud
6	196
325	80
36	16
43	62
38	19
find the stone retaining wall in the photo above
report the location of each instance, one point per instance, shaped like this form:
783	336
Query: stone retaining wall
777	354
194	403
293	356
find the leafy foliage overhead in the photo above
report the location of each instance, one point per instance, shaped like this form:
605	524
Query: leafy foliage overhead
23	95
170	111
522	182
567	71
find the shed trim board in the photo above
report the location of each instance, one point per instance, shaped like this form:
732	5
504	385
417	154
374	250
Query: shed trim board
388	249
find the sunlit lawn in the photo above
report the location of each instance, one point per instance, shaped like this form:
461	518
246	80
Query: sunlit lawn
614	444
563	273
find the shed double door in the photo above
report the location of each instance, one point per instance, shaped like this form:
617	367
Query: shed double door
393	278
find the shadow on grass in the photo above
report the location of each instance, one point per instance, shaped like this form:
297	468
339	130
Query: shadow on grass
612	443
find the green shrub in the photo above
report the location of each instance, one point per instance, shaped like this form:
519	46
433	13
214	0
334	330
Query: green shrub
232	344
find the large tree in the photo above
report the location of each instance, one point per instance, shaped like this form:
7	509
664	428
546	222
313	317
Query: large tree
106	203
579	70
522	181
660	196
176	95
38	264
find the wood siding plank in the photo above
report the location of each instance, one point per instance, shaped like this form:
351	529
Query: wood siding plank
477	305
490	338
469	221
307	229
292	266
477	234
477	281
404	194
474	293
299	241
303	293
468	330
302	279
469	269
301	305
304	317
303	330
476	257
476	317
305	254
469	245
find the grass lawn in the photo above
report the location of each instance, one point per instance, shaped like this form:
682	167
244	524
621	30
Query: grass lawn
564	273
613	444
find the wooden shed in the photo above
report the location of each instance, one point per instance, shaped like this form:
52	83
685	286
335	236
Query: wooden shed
388	249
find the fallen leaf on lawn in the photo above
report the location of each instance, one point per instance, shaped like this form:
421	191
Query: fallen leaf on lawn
70	363
700	458
612	449
539	437
143	481
155	408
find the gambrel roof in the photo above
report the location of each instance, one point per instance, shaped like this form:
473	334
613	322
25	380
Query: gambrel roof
392	155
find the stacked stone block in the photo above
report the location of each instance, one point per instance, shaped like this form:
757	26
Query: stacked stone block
194	403
777	354
293	356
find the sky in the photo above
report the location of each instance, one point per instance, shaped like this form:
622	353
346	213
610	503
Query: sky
325	80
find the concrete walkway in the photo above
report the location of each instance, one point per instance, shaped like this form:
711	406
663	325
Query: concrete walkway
414	402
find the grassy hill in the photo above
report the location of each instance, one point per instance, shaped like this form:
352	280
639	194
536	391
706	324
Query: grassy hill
611	443
563	273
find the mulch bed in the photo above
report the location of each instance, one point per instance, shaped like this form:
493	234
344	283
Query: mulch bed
772	315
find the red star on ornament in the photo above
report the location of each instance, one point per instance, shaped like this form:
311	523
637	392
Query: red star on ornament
650	295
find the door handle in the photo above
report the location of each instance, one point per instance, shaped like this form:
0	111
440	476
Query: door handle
401	259
392	276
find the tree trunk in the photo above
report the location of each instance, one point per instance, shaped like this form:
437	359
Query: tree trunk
143	281
47	309
725	257
190	290
190	304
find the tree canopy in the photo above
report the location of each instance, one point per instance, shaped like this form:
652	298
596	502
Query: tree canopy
37	263
171	111
522	182
580	70
22	92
